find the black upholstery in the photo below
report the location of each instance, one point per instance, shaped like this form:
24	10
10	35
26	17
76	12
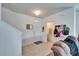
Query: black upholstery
70	41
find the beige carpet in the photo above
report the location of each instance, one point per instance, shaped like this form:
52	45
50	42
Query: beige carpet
42	49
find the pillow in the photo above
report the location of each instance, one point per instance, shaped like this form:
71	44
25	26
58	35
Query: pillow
63	46
58	51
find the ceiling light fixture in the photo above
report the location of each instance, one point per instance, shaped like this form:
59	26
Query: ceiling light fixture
37	12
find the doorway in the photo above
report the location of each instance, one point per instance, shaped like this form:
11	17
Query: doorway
50	30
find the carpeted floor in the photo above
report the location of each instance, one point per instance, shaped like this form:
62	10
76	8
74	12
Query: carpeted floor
42	49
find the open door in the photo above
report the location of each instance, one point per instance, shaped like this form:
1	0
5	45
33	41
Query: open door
50	30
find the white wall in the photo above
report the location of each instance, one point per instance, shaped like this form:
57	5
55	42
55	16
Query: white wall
10	40
64	17
1	40
77	19
78	23
0	11
19	21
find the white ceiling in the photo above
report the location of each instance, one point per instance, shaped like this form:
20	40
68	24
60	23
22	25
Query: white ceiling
47	8
77	7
